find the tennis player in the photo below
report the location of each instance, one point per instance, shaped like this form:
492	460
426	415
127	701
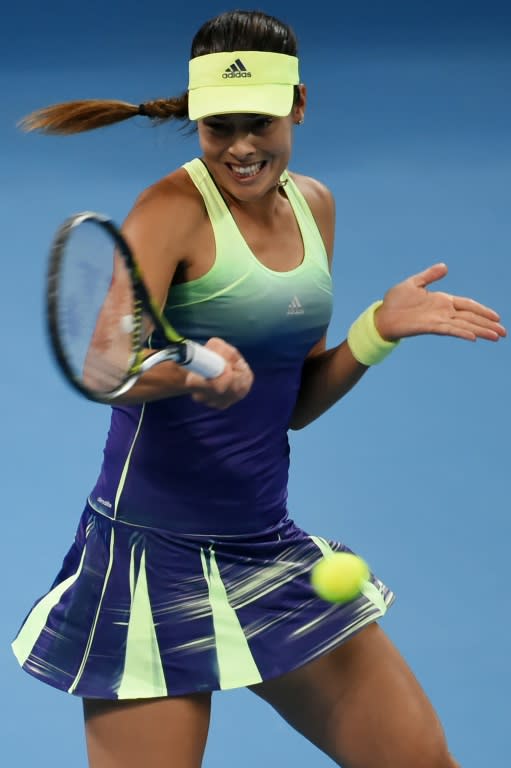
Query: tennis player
187	574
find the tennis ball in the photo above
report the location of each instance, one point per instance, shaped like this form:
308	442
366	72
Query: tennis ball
339	577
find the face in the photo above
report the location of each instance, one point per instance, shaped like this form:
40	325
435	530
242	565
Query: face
247	153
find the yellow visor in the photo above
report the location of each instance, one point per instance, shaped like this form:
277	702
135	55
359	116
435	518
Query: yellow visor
242	82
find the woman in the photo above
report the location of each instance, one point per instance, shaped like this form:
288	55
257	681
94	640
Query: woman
187	574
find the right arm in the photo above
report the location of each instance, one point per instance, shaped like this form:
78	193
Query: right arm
160	229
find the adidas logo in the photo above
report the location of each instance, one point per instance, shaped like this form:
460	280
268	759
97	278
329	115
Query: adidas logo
295	308
237	69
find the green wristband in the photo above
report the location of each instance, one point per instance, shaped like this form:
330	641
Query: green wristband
364	341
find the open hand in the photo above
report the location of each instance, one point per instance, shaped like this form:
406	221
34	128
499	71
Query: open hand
409	309
232	385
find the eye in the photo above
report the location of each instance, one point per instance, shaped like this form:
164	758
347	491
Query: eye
262	123
218	126
255	124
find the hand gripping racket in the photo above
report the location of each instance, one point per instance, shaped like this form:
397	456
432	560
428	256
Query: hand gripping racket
101	315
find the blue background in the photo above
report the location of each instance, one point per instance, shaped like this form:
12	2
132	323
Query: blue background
409	123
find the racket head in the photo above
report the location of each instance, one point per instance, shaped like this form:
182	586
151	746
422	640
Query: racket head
99	315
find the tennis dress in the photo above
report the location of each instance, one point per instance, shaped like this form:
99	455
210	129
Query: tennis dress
187	573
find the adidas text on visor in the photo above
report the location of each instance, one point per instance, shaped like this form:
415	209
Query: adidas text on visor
242	82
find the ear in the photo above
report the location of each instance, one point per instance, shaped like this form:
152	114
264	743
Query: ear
298	111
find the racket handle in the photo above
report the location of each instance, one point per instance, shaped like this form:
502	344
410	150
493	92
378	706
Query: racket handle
203	361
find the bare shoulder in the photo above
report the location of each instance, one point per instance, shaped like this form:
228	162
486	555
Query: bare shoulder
172	206
162	229
322	205
313	190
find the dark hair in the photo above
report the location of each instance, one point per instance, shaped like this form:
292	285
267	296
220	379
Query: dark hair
244	31
230	31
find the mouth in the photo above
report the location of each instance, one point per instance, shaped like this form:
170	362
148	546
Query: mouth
248	171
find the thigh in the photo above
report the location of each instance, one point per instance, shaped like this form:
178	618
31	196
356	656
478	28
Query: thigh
362	706
153	733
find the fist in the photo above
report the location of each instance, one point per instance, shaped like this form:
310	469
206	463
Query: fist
233	384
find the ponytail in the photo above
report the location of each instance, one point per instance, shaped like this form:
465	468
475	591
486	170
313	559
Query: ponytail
86	115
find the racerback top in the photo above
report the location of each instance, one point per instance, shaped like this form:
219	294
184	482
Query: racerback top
181	466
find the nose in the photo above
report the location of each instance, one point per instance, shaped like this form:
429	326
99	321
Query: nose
242	144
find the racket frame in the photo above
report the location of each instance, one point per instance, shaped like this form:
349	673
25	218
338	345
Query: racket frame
179	349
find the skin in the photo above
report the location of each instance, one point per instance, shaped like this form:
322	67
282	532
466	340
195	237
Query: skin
336	701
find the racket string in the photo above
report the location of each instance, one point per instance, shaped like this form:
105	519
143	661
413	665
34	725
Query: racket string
101	321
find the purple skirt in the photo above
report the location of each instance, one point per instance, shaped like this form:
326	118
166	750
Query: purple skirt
139	613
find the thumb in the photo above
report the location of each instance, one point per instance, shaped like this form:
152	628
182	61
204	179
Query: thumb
430	275
193	380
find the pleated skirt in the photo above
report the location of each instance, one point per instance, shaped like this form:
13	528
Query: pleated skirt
140	613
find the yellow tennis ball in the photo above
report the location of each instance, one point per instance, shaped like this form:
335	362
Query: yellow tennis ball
339	577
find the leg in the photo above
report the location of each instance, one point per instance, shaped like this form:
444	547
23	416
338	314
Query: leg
362	706
154	733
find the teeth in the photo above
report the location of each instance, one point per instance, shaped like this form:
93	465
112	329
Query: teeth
247	170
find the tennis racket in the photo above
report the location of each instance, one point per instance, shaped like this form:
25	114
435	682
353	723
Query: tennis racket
101	316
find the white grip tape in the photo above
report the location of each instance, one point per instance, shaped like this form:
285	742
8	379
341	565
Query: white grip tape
204	361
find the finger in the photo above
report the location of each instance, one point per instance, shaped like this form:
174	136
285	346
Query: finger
460	330
484	329
238	366
196	382
480	320
461	303
468	329
430	275
227	351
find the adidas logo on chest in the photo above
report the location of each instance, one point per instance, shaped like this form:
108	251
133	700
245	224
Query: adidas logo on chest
295	307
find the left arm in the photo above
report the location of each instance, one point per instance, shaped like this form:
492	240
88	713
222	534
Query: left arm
408	309
327	376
